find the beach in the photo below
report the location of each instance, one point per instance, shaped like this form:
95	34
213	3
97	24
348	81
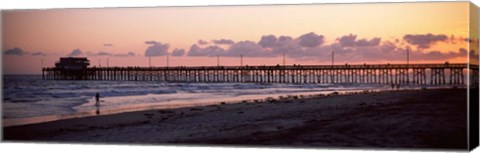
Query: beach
431	118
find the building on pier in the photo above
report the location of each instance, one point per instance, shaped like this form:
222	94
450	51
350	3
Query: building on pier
68	68
72	63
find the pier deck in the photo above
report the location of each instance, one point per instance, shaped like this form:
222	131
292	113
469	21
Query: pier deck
432	74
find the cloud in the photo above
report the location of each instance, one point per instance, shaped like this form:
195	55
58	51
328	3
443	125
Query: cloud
286	45
195	50
372	42
108	45
276	46
245	48
389	52
223	42
38	54
151	42
202	42
438	55
308	46
128	54
131	54
20	52
424	41
292	47
156	49
248	49
15	51
348	40
310	40
311	46
178	52
103	53
75	52
268	41
351	40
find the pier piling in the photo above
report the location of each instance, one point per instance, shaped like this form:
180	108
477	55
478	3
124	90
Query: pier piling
326	74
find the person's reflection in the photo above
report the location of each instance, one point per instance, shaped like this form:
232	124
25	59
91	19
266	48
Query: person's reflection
98	110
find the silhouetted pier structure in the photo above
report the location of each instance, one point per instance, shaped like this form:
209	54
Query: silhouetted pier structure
420	74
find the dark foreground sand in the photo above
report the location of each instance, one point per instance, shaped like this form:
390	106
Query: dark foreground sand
394	119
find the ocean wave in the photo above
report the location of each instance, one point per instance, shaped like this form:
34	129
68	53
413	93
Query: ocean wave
32	96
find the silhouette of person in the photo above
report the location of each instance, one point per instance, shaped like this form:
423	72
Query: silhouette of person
97	98
393	86
398	86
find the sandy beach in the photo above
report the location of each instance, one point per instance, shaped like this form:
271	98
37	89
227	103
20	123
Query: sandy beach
433	118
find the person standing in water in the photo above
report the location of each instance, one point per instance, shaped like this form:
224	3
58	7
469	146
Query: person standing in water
97	97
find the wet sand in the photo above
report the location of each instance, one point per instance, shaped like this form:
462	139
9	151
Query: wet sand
419	119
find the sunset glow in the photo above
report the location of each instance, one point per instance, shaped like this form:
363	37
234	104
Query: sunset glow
372	33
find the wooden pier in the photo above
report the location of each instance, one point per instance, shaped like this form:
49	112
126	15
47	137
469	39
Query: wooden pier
419	74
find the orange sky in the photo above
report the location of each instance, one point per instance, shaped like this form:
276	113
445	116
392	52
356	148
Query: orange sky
57	32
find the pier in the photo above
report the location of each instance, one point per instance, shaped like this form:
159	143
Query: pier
417	74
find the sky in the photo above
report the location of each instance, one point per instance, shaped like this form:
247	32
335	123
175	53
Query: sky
372	33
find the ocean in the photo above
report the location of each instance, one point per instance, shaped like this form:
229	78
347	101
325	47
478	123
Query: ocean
29	99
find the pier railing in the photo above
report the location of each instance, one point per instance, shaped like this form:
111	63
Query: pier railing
447	73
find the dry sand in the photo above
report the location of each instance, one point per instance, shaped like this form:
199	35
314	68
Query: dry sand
394	119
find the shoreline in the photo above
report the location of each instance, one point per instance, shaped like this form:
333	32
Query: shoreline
11	122
273	122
